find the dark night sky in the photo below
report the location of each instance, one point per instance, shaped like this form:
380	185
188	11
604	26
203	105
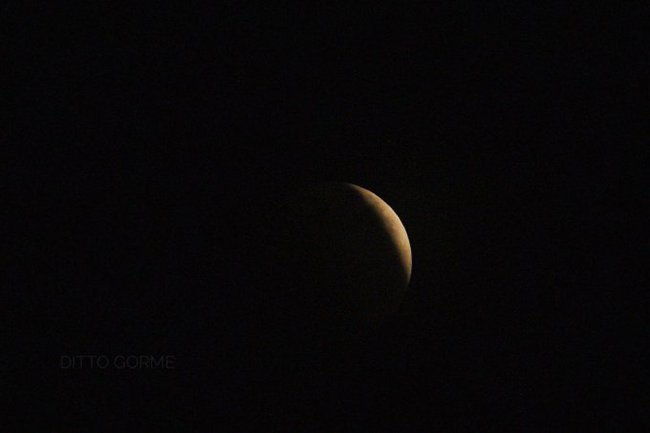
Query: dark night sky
142	145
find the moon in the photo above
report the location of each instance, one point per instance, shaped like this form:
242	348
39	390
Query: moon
393	226
341	259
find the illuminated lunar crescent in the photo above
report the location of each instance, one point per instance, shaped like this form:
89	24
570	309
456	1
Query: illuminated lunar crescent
343	258
393	226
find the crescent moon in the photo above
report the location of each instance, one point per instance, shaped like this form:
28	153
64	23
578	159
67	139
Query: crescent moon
393	226
339	257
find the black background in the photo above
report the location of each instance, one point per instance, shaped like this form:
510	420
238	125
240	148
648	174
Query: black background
141	147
